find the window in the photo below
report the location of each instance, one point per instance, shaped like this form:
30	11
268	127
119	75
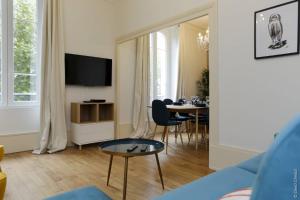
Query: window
164	64
19	47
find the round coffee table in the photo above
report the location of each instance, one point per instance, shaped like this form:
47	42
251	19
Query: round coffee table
121	147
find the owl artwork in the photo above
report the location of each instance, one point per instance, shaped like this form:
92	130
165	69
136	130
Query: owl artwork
276	32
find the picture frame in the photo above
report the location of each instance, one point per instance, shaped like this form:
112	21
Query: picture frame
276	30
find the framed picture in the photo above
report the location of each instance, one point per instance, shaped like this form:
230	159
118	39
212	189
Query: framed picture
276	31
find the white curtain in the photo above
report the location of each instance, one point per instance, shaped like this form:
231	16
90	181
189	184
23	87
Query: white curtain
181	72
141	91
53	123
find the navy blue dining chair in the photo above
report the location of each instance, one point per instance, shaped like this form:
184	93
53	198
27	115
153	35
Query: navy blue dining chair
161	117
203	122
182	117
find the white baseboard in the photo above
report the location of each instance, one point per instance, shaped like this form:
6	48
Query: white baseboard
125	130
221	156
19	142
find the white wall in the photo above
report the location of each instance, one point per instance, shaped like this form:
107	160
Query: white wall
19	127
126	77
19	120
135	15
257	97
89	30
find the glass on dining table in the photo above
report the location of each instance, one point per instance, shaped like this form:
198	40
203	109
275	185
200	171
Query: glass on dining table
195	100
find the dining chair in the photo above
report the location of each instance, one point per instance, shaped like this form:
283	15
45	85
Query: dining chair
182	117
161	117
203	122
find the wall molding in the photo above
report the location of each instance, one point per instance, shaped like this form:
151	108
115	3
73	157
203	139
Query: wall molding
222	156
125	130
19	142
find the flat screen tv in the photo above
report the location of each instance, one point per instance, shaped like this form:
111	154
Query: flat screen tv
88	71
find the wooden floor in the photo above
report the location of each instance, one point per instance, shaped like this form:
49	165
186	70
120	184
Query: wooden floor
34	177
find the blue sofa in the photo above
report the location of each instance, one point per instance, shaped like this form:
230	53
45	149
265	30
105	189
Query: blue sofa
214	186
274	175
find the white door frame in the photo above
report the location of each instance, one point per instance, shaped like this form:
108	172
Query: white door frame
210	10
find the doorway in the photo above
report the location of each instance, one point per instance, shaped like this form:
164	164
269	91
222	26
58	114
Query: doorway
193	63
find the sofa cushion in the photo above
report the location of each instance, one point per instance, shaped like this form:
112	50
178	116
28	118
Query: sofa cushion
86	193
214	186
2	185
279	173
1	152
252	165
243	194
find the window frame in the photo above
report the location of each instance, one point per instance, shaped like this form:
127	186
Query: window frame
8	56
4	50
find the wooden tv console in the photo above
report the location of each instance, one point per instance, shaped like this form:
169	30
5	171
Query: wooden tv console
91	122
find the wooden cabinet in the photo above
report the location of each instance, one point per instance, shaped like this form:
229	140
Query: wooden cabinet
92	122
92	112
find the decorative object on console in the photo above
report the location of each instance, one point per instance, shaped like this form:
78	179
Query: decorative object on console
277	31
95	101
98	100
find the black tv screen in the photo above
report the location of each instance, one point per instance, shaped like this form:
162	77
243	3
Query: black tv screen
88	71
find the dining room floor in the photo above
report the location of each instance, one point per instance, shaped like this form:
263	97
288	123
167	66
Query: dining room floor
34	177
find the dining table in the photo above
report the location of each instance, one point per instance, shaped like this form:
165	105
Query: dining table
187	108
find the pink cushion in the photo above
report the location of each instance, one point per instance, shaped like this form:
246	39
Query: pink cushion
243	194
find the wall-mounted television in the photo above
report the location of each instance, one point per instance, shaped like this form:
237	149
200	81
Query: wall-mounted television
88	71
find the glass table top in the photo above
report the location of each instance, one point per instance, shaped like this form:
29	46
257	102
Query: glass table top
142	147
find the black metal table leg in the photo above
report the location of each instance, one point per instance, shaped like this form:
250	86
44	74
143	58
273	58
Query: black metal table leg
159	170
125	178
109	169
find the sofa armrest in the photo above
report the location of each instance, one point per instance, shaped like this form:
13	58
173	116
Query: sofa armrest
253	164
2	185
1	152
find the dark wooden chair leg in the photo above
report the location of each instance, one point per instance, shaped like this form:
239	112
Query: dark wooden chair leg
154	131
176	132
180	134
164	134
167	139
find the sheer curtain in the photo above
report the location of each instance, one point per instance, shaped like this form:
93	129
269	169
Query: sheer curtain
156	75
163	77
141	89
53	123
181	72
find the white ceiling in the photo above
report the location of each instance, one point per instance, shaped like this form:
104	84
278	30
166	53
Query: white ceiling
201	22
